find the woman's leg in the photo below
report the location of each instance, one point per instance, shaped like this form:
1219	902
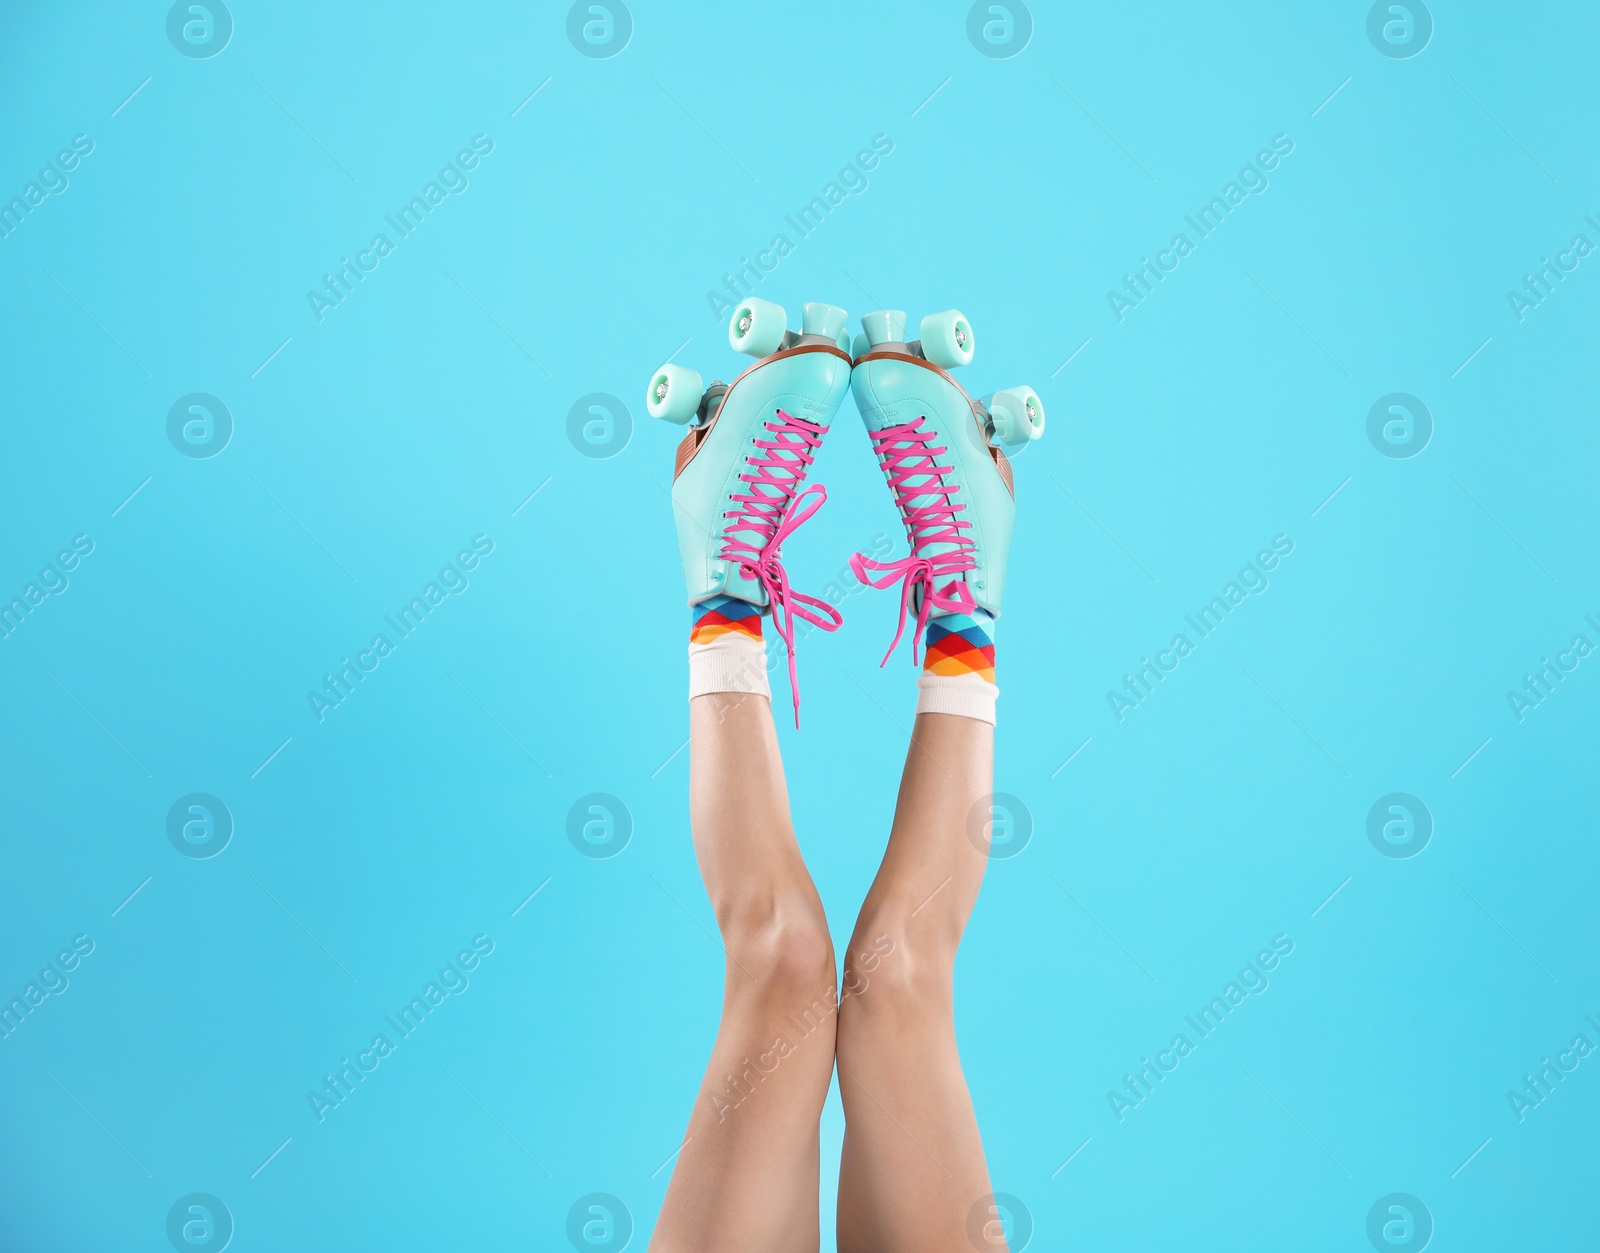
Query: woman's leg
913	1165
913	1172
746	1176
746	1180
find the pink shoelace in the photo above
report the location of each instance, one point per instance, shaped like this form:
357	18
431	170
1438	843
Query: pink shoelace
772	511
920	489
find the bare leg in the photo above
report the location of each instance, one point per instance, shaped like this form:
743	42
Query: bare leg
746	1180
913	1165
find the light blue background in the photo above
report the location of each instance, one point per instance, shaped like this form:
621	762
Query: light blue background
426	409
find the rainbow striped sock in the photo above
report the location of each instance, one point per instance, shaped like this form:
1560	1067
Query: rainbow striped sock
712	619
726	651
958	667
960	644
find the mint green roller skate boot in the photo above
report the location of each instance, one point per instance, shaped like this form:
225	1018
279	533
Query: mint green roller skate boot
739	484
951	482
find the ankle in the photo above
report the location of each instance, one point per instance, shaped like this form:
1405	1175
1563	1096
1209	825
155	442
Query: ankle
726	650
958	667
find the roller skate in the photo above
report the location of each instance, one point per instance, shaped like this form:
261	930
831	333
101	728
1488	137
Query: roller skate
940	451
739	484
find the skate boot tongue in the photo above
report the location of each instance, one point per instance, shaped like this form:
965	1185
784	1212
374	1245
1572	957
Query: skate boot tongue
765	514
932	575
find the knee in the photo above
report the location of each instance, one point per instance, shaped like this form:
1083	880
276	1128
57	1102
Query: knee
897	967
778	945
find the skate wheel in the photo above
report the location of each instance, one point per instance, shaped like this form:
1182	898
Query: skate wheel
674	394
826	320
1017	414
947	339
757	327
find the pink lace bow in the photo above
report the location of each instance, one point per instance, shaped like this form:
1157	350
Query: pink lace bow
772	511
908	453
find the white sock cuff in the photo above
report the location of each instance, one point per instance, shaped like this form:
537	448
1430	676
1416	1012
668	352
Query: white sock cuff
731	663
964	695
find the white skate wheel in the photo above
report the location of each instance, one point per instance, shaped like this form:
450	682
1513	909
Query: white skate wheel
757	327
674	394
1017	415
947	339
